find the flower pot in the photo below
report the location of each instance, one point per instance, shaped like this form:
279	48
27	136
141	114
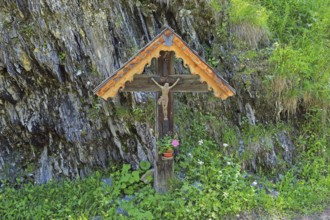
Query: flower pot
168	154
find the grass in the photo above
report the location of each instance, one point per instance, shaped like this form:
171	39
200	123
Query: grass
214	186
210	183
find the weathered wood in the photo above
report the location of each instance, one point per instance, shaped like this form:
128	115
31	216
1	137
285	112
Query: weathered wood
164	169
165	68
187	83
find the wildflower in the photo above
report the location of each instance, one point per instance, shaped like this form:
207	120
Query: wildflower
175	143
225	144
200	142
228	163
254	183
189	155
200	162
225	194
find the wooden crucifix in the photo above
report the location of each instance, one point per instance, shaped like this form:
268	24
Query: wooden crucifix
129	78
163	83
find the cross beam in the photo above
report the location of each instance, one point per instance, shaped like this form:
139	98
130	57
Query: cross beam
187	83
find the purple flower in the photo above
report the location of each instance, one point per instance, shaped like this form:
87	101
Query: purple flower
175	143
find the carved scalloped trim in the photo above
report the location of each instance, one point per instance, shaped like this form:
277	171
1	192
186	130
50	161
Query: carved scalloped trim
117	83
199	67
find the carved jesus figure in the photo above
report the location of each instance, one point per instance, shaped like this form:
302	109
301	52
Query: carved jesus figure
163	100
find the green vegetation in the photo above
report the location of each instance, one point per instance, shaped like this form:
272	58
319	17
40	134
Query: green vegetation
27	30
214	186
142	112
62	56
248	21
93	111
166	143
210	184
294	63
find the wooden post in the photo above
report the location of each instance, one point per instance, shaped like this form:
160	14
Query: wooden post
164	169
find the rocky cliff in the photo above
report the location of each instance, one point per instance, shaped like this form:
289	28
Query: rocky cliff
54	52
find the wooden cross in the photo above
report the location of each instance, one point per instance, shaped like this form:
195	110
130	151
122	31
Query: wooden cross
165	117
164	47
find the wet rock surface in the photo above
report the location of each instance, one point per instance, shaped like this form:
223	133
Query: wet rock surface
53	53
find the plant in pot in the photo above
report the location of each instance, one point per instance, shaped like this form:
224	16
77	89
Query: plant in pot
166	146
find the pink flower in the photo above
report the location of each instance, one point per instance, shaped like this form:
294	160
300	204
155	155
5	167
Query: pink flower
175	143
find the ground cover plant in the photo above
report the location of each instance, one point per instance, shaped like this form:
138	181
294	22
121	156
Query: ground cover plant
209	184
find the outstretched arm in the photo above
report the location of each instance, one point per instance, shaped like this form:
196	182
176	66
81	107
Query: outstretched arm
176	82
156	83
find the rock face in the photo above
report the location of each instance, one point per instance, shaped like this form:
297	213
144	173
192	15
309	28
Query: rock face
54	52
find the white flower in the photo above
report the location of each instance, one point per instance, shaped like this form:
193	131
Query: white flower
254	183
189	155
228	163
225	145
200	142
200	162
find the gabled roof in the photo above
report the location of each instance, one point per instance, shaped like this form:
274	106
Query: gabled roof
167	40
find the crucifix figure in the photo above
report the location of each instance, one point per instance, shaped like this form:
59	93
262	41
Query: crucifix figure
163	100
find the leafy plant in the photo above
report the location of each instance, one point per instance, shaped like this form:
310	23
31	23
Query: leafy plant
249	21
144	165
167	143
62	56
